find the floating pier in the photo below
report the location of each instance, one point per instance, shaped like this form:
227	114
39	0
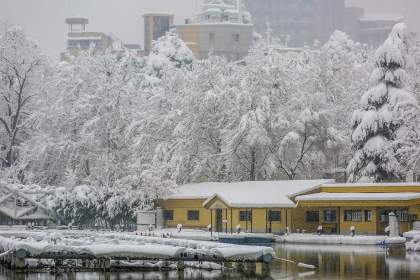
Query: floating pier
110	252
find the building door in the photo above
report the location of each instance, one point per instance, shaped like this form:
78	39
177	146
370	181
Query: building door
219	220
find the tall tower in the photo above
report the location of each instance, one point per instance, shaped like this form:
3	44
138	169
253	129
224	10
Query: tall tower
155	26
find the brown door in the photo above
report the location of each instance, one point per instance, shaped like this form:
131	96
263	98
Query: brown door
219	220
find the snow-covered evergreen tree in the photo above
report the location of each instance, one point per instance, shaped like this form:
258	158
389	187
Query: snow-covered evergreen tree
384	136
168	51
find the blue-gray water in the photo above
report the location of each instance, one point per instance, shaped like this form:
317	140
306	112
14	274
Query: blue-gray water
332	262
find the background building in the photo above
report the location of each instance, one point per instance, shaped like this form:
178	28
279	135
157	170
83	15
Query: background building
374	29
155	26
299	22
296	205
78	39
223	27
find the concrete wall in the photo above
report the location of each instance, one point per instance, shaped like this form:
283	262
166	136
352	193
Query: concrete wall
223	43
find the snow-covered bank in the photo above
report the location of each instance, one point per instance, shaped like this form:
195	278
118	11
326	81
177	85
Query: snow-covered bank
340	239
411	234
200	235
127	246
414	244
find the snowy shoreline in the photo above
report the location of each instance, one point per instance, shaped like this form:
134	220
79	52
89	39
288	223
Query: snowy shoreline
125	250
340	239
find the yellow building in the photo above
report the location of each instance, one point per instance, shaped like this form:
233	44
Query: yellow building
273	206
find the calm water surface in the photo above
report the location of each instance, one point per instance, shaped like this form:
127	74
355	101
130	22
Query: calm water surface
333	262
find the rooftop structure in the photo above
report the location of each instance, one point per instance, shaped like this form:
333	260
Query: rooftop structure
77	24
222	26
78	39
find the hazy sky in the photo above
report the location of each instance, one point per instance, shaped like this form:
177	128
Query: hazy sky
43	20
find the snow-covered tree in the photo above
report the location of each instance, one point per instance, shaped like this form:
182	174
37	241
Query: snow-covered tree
385	137
168	51
21	73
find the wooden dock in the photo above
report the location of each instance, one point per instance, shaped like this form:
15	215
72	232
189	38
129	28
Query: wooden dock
109	258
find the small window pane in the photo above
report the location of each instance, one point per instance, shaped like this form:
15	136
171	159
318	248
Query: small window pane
353	215
312	216
330	216
245	216
357	216
211	38
168	215
347	215
193	215
274	216
368	215
235	38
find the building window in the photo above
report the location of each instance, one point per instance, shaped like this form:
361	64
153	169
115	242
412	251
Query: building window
168	215
193	215
402	215
245	216
274	216
236	38
330	216
312	216
368	215
353	215
211	38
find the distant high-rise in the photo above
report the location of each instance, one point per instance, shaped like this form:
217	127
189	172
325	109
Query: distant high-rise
223	27
155	26
78	39
300	22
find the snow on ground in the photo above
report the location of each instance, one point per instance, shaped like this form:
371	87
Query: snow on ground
340	239
414	244
411	234
193	234
123	245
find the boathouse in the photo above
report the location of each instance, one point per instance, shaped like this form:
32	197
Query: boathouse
300	205
20	205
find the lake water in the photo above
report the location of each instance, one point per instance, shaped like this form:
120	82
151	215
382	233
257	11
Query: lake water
332	262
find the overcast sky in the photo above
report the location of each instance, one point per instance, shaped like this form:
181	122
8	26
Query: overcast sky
43	20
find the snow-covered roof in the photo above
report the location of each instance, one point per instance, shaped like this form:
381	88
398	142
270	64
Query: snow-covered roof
373	185
83	38
213	10
357	196
249	194
158	13
382	17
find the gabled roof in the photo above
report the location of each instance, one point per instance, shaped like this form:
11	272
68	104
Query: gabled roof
251	194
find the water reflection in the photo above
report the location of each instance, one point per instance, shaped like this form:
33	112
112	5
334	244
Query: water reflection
190	274
346	262
332	262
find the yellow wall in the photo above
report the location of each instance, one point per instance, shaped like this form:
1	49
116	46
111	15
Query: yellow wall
189	34
296	217
181	207
259	216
